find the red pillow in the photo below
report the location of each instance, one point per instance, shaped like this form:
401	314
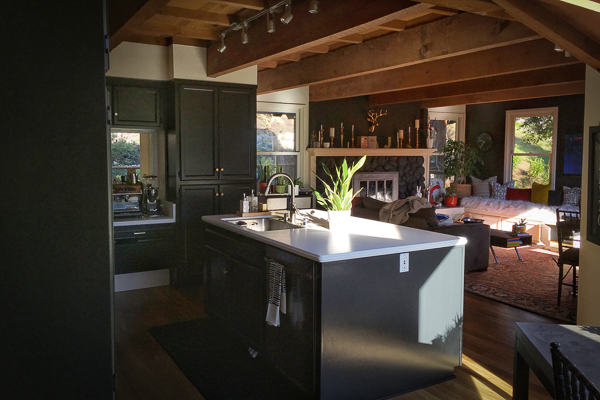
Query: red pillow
518	194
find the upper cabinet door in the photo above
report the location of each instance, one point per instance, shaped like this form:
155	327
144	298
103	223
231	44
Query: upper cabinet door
136	106
237	133
199	147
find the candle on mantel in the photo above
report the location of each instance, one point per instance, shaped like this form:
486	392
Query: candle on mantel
331	132
401	132
352	128
342	124
416	123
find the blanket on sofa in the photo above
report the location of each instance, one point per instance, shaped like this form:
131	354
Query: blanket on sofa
517	208
397	211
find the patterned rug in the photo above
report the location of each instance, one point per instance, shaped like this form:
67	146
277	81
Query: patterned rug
531	284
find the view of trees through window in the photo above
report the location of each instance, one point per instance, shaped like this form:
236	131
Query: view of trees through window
532	150
125	152
276	143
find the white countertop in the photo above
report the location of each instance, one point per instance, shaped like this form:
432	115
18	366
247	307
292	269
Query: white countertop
167	218
364	238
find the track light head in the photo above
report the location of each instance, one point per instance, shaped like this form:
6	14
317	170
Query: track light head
313	8
245	38
557	48
287	16
222	47
270	22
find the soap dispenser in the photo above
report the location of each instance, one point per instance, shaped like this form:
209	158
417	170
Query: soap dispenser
253	202
244	205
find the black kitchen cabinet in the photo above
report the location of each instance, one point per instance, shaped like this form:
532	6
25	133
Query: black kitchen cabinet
230	196
236	282
142	248
135	103
217	131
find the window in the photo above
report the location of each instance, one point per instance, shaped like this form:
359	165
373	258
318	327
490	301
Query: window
133	150
530	146
276	142
444	127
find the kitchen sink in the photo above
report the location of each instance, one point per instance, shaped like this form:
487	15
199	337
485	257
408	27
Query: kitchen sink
263	224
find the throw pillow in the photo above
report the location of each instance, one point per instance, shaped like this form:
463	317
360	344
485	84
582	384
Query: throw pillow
499	191
571	195
539	193
518	194
482	188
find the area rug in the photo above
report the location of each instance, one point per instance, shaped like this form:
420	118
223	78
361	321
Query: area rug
219	366
531	284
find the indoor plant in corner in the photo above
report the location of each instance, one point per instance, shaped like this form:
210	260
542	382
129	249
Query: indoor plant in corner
459	162
450	199
338	196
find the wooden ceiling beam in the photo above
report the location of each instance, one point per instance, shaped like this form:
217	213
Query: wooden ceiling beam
533	14
150	8
196	15
530	79
257	5
349	17
563	89
268	64
353	39
394	26
195	33
291	57
321	49
461	34
528	56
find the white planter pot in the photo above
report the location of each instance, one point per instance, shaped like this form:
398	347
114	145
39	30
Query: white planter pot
296	190
339	220
430	142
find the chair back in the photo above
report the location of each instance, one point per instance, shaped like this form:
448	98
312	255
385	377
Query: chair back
567	225
569	382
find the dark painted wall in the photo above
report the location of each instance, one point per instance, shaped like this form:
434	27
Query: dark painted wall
491	118
55	222
355	111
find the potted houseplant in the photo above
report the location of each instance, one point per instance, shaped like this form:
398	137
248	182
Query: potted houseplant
297	184
519	227
450	199
459	162
280	183
264	176
338	196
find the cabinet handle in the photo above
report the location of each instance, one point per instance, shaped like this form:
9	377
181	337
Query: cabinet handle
217	194
116	114
222	194
222	169
139	233
225	271
217	169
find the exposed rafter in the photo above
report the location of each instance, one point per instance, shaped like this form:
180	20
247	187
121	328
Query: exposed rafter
316	29
196	15
537	54
250	4
533	14
142	15
460	34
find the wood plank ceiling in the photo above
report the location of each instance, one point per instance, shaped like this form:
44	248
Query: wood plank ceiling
439	52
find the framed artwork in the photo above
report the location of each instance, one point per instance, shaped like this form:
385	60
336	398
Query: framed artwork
593	224
573	154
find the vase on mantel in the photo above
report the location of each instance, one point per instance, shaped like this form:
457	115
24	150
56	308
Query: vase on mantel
339	220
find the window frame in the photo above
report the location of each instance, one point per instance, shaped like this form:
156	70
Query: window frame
149	159
509	140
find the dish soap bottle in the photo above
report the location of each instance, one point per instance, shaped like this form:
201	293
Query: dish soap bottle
244	205
253	202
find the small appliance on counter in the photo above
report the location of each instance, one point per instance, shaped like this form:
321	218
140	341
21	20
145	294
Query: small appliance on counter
127	200
150	205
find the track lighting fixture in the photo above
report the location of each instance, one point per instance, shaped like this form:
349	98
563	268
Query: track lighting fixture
245	38
270	22
287	16
313	8
557	48
222	47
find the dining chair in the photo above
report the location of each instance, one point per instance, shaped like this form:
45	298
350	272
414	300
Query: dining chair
569	382
568	227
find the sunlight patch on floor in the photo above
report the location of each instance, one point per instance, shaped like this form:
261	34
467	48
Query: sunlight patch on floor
485	380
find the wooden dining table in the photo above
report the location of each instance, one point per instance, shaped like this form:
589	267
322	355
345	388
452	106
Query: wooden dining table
532	352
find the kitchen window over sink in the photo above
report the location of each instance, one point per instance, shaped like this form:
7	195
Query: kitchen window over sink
276	142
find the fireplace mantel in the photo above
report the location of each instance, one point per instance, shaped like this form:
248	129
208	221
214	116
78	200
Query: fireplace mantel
357	152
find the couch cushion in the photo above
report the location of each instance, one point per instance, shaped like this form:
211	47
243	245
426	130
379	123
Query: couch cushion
539	193
499	191
427	214
415	222
373	204
571	195
518	194
482	188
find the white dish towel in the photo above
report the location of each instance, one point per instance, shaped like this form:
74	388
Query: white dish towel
277	296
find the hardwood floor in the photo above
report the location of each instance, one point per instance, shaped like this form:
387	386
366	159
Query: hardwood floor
146	372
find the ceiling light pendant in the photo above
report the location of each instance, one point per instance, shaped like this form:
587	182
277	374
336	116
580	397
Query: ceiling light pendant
222	47
245	38
313	8
287	16
270	22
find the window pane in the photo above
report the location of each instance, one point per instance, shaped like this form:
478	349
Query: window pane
534	134
288	164
529	169
442	131
276	132
125	152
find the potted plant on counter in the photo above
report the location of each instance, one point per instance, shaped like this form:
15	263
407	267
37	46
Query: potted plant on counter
338	196
450	199
280	183
459	162
264	177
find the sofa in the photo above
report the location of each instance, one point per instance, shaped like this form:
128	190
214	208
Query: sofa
477	235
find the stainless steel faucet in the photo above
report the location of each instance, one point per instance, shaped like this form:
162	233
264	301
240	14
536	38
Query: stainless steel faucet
292	205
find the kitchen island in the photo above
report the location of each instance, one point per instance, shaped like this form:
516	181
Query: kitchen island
370	313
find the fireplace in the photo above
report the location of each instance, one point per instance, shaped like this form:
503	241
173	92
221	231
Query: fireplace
377	185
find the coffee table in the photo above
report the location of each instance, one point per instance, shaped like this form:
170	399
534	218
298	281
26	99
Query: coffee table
507	240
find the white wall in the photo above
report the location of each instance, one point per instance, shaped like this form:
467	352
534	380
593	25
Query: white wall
161	63
588	303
